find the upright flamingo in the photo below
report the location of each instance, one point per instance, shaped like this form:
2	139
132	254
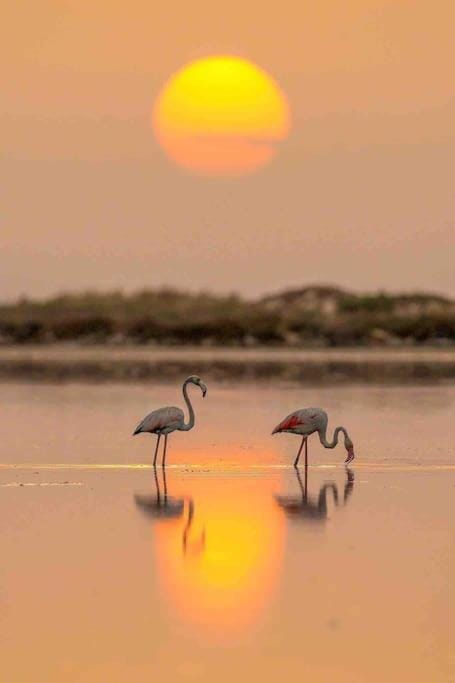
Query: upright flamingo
163	421
308	421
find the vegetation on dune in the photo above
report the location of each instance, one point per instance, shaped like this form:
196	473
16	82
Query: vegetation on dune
310	316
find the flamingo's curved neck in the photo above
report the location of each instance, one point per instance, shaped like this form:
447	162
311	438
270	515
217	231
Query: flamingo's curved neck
190	424
333	443
200	545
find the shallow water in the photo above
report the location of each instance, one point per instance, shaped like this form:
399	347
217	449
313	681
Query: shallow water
230	565
73	362
92	424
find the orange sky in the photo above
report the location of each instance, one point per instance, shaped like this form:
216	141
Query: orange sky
360	195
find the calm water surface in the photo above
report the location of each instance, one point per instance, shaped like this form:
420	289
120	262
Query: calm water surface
230	566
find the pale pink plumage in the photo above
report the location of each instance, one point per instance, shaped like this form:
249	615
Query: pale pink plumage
165	420
308	421
168	418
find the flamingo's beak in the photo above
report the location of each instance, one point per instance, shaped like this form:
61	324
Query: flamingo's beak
351	455
203	389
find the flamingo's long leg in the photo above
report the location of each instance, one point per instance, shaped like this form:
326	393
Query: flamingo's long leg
303	487
156	449
296	461
157	486
165	485
163	464
306	454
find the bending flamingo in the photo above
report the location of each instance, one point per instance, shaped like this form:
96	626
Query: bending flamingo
308	421
169	419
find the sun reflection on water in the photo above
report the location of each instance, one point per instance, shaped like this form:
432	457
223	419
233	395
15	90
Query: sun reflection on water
219	542
219	557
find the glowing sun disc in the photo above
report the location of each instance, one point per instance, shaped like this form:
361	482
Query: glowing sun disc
221	115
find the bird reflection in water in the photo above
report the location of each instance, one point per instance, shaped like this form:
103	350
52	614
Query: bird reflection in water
192	546
161	507
311	509
220	581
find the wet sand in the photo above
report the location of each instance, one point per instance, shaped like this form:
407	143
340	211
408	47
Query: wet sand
233	566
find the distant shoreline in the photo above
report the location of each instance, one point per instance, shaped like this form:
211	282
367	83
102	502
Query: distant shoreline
71	363
312	316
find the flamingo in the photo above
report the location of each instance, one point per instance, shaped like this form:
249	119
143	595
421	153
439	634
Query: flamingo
308	421
165	420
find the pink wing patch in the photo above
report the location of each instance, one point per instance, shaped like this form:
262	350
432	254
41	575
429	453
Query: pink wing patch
289	423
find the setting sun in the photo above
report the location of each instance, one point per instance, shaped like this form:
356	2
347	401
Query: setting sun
221	115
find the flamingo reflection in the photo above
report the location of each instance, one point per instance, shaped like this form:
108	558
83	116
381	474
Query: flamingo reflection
162	507
192	546
222	580
310	509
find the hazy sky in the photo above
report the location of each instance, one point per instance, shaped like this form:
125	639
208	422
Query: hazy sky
361	195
